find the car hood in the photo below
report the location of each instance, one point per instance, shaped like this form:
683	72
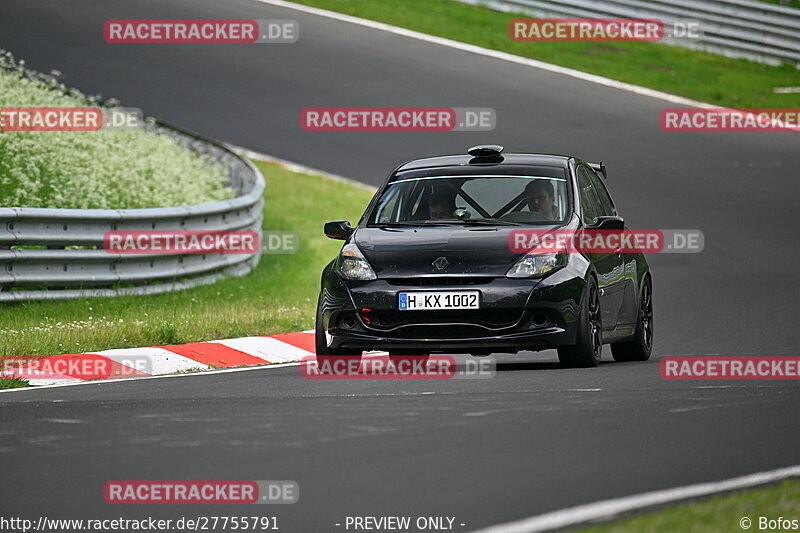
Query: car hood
411	252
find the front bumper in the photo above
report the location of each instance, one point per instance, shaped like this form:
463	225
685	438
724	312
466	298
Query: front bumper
515	314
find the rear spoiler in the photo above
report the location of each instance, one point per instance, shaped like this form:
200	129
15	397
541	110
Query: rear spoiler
601	168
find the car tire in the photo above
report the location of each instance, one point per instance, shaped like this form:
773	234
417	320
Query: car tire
588	347
323	352
641	345
335	361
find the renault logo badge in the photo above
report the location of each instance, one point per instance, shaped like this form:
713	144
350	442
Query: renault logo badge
441	263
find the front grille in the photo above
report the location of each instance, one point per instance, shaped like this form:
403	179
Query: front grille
481	318
445	332
440	281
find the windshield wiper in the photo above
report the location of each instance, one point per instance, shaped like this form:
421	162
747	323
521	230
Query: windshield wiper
463	222
409	224
485	222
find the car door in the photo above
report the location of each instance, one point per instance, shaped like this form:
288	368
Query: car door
628	311
609	266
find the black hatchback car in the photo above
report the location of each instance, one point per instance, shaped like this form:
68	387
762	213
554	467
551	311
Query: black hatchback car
429	269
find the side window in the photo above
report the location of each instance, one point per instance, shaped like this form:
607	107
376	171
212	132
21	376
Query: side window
606	204
590	206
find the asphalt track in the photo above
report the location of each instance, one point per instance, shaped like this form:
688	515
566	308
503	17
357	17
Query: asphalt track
534	438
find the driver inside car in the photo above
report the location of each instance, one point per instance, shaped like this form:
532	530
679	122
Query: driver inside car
441	206
541	199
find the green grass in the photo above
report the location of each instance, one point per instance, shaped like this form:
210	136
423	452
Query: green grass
698	75
13	383
719	514
792	3
279	296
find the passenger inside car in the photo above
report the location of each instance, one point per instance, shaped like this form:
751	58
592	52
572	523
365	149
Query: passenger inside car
541	199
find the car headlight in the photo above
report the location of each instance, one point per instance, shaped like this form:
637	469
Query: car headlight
533	265
353	264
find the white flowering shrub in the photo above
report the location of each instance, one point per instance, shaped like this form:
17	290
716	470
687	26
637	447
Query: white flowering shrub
106	169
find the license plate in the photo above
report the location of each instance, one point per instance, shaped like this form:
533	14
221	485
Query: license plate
426	300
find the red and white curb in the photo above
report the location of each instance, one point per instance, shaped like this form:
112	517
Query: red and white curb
159	360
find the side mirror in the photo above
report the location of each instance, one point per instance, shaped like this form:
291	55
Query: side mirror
338	229
609	223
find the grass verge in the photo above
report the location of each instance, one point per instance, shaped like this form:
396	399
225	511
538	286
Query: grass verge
790	3
13	383
279	296
719	514
698	75
105	169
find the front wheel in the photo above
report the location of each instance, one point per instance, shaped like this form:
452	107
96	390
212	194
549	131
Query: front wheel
588	345
639	348
324	353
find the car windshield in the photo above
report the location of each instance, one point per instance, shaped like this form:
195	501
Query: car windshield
481	199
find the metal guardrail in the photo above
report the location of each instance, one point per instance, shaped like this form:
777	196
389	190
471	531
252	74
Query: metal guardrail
746	29
69	260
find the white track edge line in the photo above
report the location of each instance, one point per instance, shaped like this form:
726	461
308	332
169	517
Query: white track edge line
162	376
297	167
605	509
585	76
